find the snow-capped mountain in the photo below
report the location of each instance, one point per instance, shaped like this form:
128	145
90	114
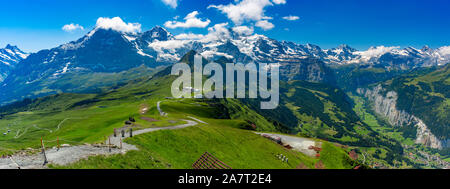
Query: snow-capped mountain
168	48
108	51
100	53
240	48
9	57
406	58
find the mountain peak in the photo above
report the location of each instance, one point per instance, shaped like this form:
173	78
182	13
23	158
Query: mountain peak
157	33
10	55
189	57
158	27
102	30
346	47
8	46
15	51
11	47
426	48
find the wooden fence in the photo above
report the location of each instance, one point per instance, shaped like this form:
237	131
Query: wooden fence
208	161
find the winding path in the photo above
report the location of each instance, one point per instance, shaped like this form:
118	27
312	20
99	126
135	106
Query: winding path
158	106
72	154
115	141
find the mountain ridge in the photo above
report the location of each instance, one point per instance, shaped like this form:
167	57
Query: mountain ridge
110	51
9	57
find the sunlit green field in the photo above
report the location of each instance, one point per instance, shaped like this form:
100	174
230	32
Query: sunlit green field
224	138
229	135
88	119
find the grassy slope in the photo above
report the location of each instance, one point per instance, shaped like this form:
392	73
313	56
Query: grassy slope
224	138
239	149
351	77
92	117
79	82
322	111
181	148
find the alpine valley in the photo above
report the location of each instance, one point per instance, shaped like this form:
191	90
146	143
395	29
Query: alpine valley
385	107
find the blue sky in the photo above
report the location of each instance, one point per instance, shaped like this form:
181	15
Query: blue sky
36	25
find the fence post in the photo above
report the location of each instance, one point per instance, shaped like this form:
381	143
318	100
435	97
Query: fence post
120	143
115	135
131	132
43	151
57	142
109	145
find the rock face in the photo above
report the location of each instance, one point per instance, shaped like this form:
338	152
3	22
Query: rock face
386	105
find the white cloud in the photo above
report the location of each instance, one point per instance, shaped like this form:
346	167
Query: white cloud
171	3
72	27
189	36
376	51
246	10
170	45
243	30
118	24
217	32
279	2
191	21
291	18
265	25
445	50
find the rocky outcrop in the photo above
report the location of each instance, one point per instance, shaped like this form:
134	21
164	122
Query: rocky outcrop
385	104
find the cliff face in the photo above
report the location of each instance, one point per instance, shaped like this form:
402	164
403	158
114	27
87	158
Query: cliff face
387	107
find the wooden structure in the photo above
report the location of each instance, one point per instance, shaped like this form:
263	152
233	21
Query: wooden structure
208	161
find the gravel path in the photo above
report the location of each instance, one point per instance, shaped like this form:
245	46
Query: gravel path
200	121
71	154
115	141
63	156
297	143
158	106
